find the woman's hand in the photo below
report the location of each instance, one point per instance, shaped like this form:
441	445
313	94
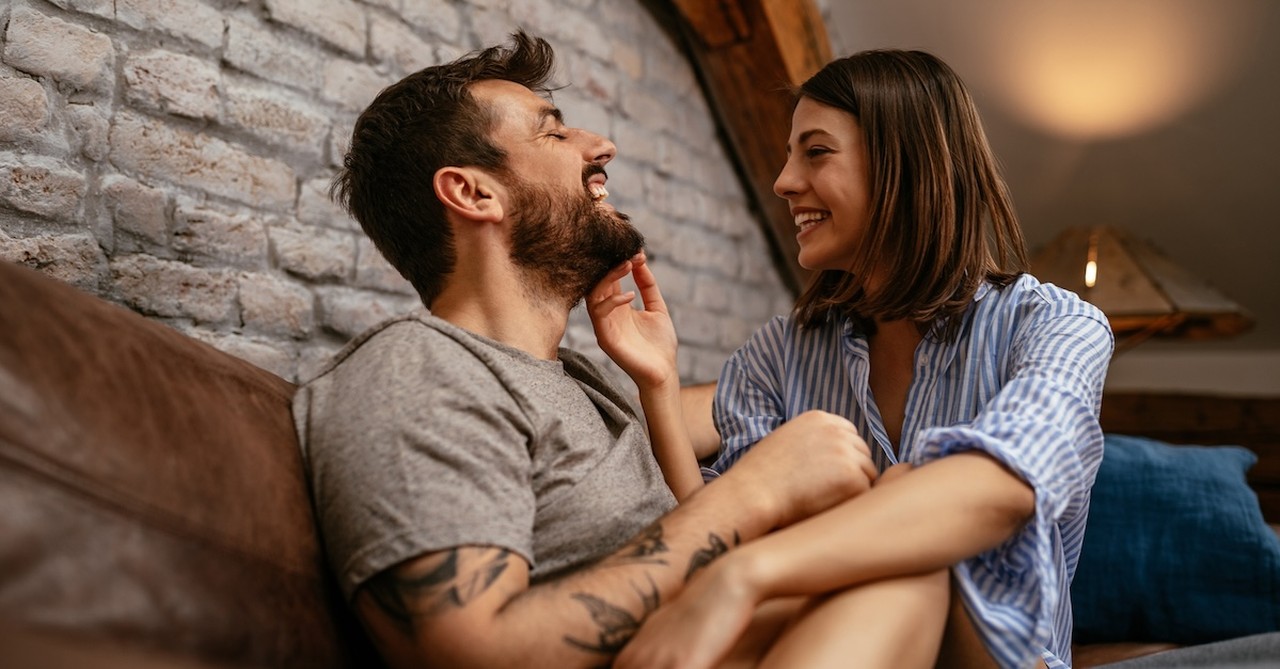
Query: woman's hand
642	341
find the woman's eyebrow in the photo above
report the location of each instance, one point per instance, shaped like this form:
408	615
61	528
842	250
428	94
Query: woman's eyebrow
806	135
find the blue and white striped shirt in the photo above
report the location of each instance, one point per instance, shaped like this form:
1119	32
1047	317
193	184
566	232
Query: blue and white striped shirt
1022	382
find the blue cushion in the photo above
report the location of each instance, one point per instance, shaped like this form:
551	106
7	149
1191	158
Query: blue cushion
1176	548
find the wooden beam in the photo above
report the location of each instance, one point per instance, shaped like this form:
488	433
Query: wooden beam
751	54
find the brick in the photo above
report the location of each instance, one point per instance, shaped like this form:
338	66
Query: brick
188	19
274	357
278	118
643	107
490	25
348	311
340	140
589	78
315	207
338	22
74	259
628	17
174	290
438	17
313	253
172	83
687	202
101	8
136	210
582	112
51	47
538	17
352	85
312	360
629	59
41	187
89	129
373	270
24	108
252	48
395	43
635	142
393	5
626	183
699	249
701	364
275	306
734	332
153	149
583	32
676	283
668	69
203	233
712	293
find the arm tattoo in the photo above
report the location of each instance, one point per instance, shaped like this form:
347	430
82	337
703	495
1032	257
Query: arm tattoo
403	596
616	624
703	556
645	548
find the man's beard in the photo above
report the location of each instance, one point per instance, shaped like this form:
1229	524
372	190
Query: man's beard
565	242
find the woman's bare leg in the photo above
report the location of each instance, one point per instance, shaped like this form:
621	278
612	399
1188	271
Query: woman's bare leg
891	623
962	648
770	619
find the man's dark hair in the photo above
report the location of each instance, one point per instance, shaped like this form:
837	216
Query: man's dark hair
941	220
424	122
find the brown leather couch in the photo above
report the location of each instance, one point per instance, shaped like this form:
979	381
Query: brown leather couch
153	498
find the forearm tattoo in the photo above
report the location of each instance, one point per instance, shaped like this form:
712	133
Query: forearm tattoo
646	548
616	624
704	556
448	584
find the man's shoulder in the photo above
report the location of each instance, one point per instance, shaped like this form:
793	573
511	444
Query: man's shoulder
413	339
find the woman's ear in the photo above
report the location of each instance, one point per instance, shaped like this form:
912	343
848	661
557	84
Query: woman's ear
469	193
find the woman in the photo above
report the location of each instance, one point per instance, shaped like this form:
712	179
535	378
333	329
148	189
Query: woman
976	387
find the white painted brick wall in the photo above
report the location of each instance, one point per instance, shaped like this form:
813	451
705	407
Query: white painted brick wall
175	156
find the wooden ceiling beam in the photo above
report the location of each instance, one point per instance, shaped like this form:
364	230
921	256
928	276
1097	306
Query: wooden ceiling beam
751	54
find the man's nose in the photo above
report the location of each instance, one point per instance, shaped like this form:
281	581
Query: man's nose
598	149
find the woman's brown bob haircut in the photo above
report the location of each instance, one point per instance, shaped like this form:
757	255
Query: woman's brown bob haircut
939	207
423	122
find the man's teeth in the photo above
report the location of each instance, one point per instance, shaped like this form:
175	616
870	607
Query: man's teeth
598	191
808	219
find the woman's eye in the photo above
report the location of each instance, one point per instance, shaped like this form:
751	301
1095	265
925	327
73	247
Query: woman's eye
815	151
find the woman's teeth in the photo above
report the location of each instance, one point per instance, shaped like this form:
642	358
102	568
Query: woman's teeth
808	219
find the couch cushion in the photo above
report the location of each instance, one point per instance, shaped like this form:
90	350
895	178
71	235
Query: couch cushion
1176	549
152	488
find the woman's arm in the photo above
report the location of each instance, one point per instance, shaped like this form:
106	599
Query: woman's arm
643	343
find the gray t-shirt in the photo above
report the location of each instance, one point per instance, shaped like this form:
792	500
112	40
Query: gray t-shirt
421	436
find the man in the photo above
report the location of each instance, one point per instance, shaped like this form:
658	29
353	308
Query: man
486	498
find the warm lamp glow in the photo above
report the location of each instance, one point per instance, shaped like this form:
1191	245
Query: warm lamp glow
1097	69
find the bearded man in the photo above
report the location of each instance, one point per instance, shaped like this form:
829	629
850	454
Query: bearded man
487	498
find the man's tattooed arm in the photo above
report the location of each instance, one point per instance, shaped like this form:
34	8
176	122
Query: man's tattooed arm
704	556
615	624
648	548
438	586
475	604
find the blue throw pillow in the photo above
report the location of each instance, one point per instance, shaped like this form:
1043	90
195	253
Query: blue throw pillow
1176	548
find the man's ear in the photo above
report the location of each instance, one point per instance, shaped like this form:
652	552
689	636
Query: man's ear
469	193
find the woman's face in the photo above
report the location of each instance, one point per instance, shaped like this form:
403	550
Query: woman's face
825	180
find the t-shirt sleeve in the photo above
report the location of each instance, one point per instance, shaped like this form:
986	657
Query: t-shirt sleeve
414	446
748	402
1042	425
